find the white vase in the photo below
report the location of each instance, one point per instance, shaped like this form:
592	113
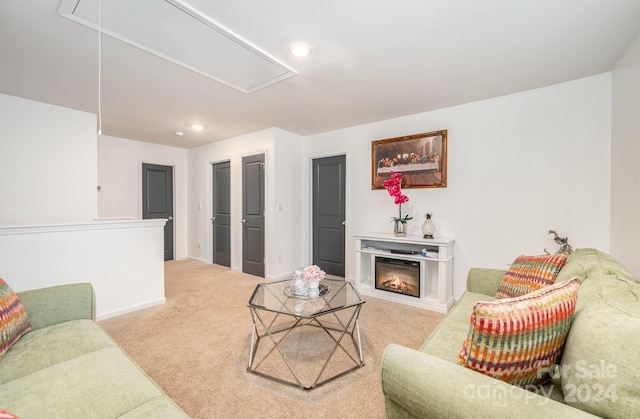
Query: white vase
313	289
428	228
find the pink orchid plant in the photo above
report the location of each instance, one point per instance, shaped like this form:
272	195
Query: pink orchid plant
394	187
313	273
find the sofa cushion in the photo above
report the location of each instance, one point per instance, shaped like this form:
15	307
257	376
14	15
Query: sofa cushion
599	367
13	318
444	342
517	339
163	408
53	345
530	273
100	384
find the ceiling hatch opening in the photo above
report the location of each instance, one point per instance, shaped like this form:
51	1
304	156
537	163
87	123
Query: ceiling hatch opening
173	30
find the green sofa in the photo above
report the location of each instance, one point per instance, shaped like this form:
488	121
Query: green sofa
67	366
598	375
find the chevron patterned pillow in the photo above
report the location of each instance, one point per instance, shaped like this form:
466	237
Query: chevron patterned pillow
517	339
13	318
530	273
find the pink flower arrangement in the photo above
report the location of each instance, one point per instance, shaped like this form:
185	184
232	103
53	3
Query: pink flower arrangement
394	187
313	273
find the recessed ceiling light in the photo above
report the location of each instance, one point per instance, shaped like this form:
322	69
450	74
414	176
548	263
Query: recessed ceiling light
300	49
179	133
197	127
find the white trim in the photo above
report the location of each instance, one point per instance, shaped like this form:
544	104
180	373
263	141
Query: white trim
130	309
274	278
94	225
67	9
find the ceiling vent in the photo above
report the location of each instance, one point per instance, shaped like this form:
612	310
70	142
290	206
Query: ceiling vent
173	30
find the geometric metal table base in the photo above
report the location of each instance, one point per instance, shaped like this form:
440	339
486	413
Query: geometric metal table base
330	324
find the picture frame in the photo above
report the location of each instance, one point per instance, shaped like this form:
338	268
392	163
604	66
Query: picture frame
420	158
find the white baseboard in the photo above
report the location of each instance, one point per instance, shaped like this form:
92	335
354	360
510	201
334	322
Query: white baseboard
194	258
130	309
281	277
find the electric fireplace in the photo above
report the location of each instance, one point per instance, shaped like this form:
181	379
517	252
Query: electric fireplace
399	276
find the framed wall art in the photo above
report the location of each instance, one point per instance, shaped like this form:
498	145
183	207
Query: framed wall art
420	158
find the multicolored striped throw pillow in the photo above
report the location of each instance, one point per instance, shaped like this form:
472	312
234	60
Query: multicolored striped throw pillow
13	318
7	415
516	340
530	273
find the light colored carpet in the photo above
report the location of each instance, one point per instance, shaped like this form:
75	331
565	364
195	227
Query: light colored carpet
196	347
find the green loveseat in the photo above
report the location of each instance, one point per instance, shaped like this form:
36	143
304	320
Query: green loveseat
598	375
68	367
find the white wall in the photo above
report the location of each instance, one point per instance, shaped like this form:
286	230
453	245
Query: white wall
48	163
284	252
122	260
625	170
48	236
282	193
120	179
518	166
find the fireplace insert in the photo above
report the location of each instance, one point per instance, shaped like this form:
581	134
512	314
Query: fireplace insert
399	276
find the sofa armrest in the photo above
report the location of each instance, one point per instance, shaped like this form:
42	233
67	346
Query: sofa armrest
416	384
484	280
59	304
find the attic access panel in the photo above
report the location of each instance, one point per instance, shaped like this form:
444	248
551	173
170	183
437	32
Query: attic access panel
171	29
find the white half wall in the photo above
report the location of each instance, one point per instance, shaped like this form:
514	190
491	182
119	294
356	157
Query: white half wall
518	166
48	163
122	260
120	179
625	170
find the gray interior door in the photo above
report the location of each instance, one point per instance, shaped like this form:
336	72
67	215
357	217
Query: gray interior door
157	200
329	175
253	215
221	216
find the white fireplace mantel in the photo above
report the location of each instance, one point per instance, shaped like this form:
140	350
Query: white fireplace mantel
436	268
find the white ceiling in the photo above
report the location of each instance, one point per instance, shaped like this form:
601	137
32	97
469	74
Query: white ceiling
371	60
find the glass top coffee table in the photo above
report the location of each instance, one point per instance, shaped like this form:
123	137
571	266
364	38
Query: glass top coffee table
304	345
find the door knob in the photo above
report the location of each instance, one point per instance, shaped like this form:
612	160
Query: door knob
170	218
243	221
213	218
344	223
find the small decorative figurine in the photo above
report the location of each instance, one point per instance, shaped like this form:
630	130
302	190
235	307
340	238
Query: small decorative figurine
428	228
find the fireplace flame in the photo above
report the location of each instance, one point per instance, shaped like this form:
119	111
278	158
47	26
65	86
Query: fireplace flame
400	278
398	285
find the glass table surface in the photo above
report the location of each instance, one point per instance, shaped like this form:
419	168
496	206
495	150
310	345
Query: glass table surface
272	296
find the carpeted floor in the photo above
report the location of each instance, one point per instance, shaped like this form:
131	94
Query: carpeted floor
196	347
